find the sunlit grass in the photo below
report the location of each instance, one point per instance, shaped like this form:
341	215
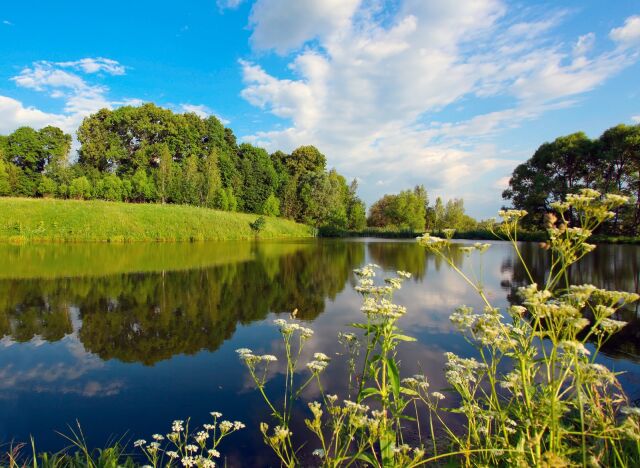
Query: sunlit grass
48	220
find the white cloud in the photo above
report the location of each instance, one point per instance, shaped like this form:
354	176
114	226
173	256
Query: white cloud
7	22
629	33
95	65
15	114
584	44
229	4
61	81
284	24
368	85
635	119
201	111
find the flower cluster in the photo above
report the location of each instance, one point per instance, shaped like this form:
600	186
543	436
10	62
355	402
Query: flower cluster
288	328
192	450
319	363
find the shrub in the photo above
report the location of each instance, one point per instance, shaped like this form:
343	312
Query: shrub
80	188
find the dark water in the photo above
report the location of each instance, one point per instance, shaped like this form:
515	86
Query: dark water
127	338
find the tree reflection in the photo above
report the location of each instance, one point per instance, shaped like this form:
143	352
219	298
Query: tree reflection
612	267
148	317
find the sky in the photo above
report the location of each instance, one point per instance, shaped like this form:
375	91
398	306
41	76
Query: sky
449	94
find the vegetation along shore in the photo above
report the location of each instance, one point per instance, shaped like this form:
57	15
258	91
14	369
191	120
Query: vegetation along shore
47	220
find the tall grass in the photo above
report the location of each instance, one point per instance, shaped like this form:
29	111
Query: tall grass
48	220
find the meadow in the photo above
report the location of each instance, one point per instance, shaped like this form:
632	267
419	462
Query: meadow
48	220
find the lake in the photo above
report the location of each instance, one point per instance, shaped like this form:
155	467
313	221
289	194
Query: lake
127	338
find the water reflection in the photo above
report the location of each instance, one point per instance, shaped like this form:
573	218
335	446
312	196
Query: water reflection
148	317
148	334
612	267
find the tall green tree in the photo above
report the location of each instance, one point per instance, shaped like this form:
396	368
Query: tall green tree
259	177
609	164
406	210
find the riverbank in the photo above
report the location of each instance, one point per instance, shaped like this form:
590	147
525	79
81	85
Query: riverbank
48	220
478	234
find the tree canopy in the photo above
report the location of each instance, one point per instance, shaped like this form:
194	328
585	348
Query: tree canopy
609	164
150	154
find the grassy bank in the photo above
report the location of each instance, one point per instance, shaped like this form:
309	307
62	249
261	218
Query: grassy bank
477	234
48	220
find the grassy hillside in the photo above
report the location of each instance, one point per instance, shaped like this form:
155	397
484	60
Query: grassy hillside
48	220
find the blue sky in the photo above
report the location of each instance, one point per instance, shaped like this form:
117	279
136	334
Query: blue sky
399	92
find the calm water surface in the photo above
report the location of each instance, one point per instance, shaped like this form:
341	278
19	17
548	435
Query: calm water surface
127	338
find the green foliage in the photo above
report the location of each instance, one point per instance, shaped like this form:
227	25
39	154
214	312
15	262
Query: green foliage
147	154
258	175
47	188
271	206
33	151
80	188
609	164
258	224
5	186
407	210
142	188
356	211
110	187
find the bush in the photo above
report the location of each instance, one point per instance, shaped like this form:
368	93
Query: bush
47	187
80	188
271	206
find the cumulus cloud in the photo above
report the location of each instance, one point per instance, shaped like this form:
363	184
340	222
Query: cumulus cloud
367	84
201	111
285	24
65	81
15	114
635	119
629	33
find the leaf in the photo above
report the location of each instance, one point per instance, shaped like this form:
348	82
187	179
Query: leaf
404	338
367	392
394	377
365	457
408	391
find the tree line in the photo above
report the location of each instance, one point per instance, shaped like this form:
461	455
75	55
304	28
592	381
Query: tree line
609	164
410	210
151	154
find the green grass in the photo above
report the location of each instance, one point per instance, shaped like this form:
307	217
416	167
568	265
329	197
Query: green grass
47	220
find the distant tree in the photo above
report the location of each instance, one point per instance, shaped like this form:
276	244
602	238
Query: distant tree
609	164
271	206
456	218
305	159
80	188
555	169
33	150
258	175
47	187
356	210
5	187
192	182
110	188
165	172
212	181
142	188
406	210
